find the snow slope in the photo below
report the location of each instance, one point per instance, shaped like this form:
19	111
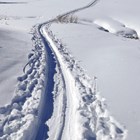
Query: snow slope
70	102
83	108
16	21
20	118
112	58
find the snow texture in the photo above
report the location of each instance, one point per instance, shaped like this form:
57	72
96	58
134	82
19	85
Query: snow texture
19	120
81	107
54	91
115	27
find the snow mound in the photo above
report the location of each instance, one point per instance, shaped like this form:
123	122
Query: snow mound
115	27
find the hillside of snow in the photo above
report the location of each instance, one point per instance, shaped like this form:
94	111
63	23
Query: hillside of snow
72	66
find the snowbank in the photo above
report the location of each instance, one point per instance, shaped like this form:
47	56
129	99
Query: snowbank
115	27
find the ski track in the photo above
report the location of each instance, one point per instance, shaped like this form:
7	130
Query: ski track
82	101
47	98
68	80
55	99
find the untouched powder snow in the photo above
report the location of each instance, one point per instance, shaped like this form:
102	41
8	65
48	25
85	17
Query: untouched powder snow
14	45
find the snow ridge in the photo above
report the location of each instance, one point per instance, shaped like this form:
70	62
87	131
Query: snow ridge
86	114
115	27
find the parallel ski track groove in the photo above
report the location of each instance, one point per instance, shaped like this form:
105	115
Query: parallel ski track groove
42	133
64	97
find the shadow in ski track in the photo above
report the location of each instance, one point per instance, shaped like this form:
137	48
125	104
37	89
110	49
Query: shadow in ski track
47	107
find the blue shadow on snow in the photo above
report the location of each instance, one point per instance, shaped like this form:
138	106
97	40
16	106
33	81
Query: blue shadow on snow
47	107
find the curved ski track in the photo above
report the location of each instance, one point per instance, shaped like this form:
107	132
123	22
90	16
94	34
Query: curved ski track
55	99
70	98
68	127
65	79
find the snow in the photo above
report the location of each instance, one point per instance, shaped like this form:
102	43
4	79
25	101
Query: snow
113	59
16	21
85	110
115	62
115	27
102	37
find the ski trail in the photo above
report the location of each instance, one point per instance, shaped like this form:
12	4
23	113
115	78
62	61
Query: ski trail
46	105
26	113
59	17
82	108
54	98
60	104
49	99
86	116
92	3
63	75
70	88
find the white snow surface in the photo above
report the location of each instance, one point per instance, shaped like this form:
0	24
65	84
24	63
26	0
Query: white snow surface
14	45
17	20
83	112
112	58
102	37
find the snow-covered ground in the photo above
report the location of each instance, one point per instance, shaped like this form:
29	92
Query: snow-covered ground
108	55
115	62
84	114
16	22
105	38
14	48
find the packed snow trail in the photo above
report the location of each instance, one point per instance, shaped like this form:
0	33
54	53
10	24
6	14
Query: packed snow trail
55	99
73	117
60	17
22	116
86	116
70	89
47	99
